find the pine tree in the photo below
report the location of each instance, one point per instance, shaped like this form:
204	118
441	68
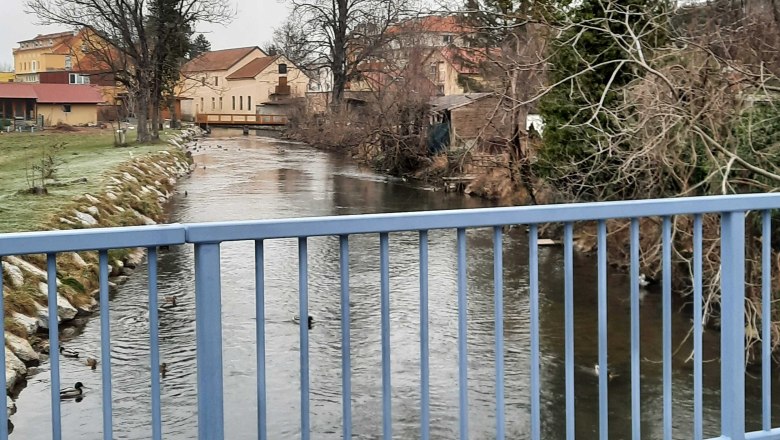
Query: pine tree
584	60
198	46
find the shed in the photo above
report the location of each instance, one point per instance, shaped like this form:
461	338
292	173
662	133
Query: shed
470	116
56	103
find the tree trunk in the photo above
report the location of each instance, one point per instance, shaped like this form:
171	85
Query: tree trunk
142	112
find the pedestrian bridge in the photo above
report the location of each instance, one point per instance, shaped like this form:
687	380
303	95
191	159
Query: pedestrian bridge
206	238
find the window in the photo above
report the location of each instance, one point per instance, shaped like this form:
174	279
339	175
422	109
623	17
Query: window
234	103
68	63
203	81
201	104
249	103
66	108
34	66
282	69
220	103
447	39
240	102
213	103
75	78
216	81
434	70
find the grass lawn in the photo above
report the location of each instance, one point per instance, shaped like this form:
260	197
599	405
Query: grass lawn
86	154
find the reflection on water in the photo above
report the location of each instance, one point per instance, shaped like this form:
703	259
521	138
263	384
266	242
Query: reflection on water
257	178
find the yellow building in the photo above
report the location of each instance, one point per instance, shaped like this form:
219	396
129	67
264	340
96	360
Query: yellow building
44	53
22	103
239	81
6	77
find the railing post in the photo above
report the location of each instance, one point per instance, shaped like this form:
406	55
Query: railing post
208	328
732	299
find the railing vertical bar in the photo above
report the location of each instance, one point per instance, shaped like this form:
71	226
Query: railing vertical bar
262	404
208	331
636	416
425	396
3	386
602	324
697	328
568	271
54	344
498	305
384	263
766	319
732	337
105	345
533	269
346	365
667	327
303	310
463	385
154	343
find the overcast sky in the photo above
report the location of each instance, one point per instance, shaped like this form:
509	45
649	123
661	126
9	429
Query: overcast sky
252	26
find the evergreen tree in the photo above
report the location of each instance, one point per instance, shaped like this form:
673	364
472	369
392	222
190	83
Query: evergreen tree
585	58
198	46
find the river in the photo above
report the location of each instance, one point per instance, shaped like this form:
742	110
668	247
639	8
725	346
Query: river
256	177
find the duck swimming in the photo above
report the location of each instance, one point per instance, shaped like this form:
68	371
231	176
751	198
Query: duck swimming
68	353
76	391
91	363
297	320
170	302
163	369
610	374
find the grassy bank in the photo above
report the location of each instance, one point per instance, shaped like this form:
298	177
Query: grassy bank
80	162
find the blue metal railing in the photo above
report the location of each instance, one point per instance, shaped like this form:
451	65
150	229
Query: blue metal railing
206	239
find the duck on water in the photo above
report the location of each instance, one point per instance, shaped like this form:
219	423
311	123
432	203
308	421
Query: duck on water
72	392
297	319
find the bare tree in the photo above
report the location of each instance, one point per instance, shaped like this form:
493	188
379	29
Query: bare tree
344	33
120	35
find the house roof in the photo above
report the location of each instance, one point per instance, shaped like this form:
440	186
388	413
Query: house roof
217	60
49	36
464	60
254	68
447	24
451	102
52	93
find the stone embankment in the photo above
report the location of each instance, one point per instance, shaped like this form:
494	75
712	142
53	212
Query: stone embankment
135	194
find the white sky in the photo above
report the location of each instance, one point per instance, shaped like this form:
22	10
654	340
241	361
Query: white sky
252	26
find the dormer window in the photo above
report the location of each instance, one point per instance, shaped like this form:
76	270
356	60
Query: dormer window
282	69
448	39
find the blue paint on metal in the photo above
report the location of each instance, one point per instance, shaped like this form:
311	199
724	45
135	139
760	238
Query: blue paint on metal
667	325
697	327
154	344
262	405
602	325
732	338
425	391
498	305
3	386
303	310
636	415
568	274
468	218
463	358
766	320
54	343
208	330
346	364
105	344
533	273
384	268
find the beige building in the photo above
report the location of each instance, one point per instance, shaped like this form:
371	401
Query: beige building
238	81
44	53
23	104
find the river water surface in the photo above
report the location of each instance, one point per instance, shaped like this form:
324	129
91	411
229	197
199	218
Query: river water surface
245	178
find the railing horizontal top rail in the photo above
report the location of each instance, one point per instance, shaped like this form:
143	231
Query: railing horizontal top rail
142	236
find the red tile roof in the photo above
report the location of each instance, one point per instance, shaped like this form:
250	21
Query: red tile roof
465	60
448	24
254	68
52	93
217	60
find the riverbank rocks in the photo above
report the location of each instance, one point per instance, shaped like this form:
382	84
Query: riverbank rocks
22	349
14	369
86	219
29	323
14	274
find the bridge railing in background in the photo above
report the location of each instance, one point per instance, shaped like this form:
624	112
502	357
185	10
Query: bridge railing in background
206	239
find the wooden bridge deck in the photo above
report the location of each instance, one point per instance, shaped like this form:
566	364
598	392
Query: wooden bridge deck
234	119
